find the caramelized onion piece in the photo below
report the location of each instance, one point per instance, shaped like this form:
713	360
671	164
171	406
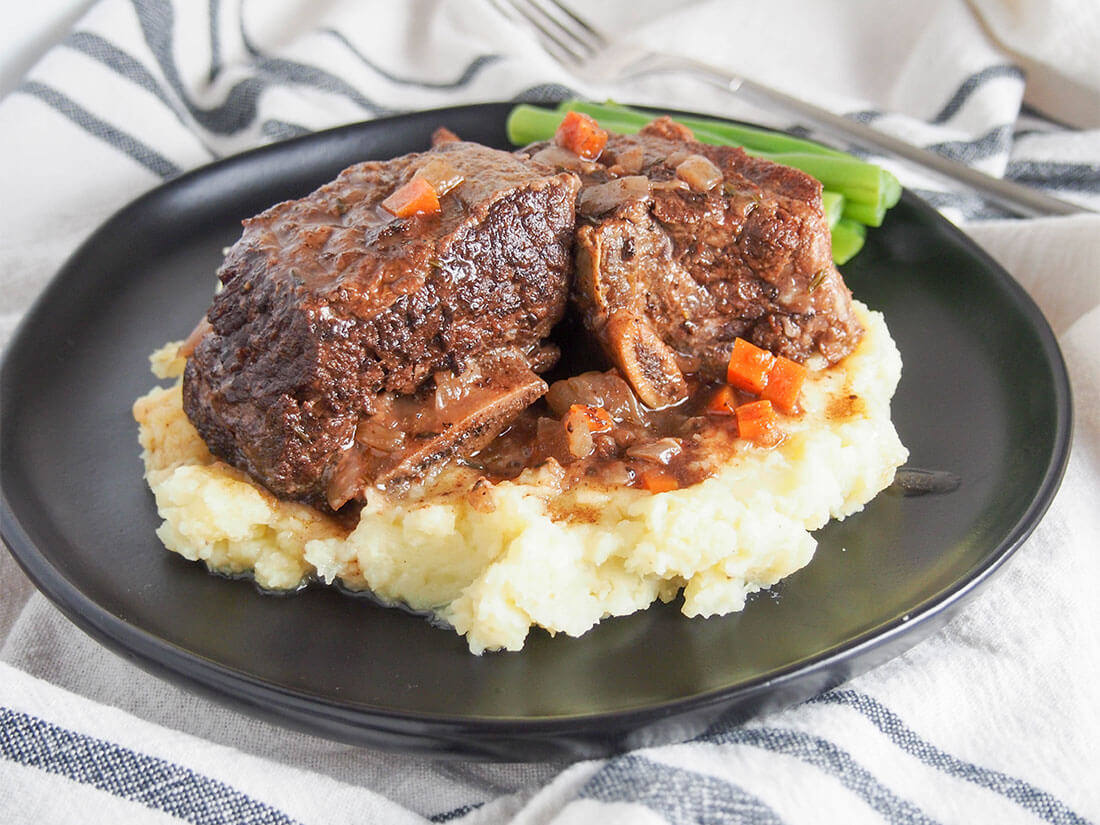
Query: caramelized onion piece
604	197
480	496
380	434
346	480
562	158
450	387
617	473
578	433
631	160
441	175
597	389
699	173
661	451
670	185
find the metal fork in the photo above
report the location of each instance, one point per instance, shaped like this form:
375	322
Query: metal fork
590	56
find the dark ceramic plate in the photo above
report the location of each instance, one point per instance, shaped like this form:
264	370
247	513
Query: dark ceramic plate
984	394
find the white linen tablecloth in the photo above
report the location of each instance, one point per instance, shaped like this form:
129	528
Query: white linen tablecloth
993	719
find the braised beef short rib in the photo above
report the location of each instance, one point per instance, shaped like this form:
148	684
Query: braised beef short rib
682	247
349	347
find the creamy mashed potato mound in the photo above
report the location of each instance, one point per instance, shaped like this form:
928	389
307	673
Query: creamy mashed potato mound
493	560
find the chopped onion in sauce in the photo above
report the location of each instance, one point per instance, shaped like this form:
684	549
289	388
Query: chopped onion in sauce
674	159
669	185
631	160
604	197
441	175
376	434
345	481
699	173
597	389
578	433
450	387
661	451
559	156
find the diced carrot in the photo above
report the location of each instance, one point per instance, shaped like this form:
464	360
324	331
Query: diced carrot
724	401
597	419
785	380
580	134
748	366
757	422
658	481
417	197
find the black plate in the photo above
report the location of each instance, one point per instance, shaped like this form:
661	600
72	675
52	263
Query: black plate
984	394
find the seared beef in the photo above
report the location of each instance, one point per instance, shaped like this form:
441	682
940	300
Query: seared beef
332	308
349	347
672	267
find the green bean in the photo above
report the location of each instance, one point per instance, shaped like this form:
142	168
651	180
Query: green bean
848	237
834	203
868	214
731	134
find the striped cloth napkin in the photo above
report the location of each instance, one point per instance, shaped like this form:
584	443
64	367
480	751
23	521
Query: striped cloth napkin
993	719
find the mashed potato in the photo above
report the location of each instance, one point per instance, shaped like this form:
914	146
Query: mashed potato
493	560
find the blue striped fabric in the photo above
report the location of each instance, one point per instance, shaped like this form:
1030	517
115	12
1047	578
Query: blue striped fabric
1024	794
137	777
680	795
239	109
676	794
117	138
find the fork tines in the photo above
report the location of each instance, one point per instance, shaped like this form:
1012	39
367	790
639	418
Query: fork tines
563	33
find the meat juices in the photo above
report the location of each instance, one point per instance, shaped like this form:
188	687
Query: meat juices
682	247
317	375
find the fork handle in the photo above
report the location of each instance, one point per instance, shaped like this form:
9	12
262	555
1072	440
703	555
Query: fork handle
1016	198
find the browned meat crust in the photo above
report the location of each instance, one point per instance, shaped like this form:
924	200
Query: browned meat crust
330	305
668	276
350	348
